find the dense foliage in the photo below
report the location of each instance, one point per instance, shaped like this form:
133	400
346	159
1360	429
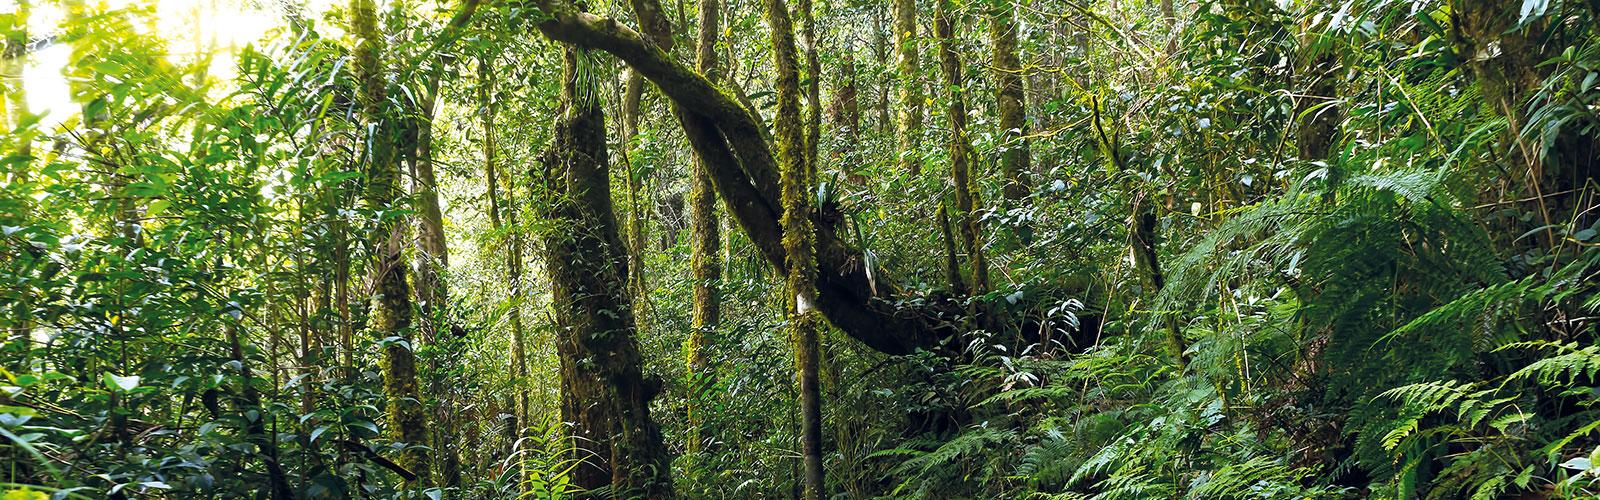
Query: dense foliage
475	249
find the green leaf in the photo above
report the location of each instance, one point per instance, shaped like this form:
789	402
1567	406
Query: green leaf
120	383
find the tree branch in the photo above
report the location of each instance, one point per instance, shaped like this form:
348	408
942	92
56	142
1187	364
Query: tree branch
729	138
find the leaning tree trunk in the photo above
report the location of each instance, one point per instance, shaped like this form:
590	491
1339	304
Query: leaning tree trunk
605	395
863	301
799	243
432	255
392	316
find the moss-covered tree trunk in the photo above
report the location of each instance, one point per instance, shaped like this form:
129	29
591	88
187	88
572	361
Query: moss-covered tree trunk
846	107
799	241
512	242
605	395
812	80
13	110
908	135
705	260
391	316
961	154
633	182
432	256
862	301
1011	103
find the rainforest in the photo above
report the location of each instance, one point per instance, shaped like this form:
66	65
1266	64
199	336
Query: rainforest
806	249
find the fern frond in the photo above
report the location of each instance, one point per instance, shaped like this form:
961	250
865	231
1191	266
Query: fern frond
1572	361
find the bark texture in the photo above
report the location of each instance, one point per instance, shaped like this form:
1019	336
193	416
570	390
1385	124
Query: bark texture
1010	104
961	151
391	316
605	395
727	136
705	259
908	67
799	240
511	240
1507	60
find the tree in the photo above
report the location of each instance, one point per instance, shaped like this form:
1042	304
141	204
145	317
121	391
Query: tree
854	299
511	238
909	132
704	237
1508	56
1011	103
391	318
605	395
961	151
798	240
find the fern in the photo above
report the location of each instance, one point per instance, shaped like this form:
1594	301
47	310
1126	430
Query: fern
968	443
1048	462
1571	362
1259	477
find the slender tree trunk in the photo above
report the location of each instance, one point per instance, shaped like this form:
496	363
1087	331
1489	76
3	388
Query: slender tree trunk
1011	104
909	133
605	395
632	93
13	111
798	242
846	108
432	255
813	86
952	260
392	316
1508	60
277	480
704	255
961	151
512	242
729	138
432	260
13	92
880	53
1142	229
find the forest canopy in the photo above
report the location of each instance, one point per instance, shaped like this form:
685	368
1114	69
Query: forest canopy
1109	249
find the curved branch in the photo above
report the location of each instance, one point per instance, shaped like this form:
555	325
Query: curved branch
728	137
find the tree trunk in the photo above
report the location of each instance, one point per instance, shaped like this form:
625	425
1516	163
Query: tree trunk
813	86
704	255
512	242
909	133
432	255
256	429
726	135
961	151
13	111
1507	60
605	395
846	107
391	317
952	261
1142	235
634	228
799	240
880	54
1011	104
